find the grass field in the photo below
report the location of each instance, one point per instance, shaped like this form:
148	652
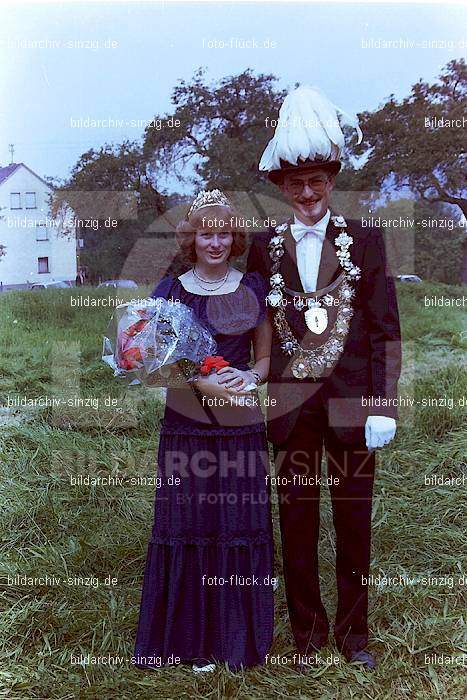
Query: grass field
51	526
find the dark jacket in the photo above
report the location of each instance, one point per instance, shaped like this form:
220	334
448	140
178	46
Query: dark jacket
368	370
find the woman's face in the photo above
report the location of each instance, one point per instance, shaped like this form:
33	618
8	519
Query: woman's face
212	247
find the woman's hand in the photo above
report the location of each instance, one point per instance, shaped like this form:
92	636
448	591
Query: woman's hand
209	386
236	380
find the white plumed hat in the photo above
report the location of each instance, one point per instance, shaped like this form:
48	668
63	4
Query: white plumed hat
308	134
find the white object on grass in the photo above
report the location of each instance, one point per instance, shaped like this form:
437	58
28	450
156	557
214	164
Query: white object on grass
379	430
209	668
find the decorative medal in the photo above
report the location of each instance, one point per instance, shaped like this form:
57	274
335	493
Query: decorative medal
274	297
299	303
316	318
300	368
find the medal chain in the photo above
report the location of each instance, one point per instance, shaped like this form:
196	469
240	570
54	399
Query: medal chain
314	362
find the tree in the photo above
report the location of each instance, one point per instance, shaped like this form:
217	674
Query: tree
221	131
406	143
110	182
438	252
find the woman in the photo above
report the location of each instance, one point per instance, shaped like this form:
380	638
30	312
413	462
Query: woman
207	596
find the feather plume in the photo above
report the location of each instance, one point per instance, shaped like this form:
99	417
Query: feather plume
309	127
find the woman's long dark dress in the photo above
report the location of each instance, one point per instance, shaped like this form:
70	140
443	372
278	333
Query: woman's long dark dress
217	521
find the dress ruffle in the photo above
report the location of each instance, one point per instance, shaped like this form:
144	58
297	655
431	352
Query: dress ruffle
217	540
213	431
190	617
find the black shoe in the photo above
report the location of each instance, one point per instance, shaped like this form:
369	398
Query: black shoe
362	657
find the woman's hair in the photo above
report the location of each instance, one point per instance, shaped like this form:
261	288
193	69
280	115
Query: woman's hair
212	215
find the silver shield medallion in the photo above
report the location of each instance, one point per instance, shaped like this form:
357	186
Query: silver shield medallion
316	319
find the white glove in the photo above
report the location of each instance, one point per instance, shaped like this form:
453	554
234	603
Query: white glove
379	430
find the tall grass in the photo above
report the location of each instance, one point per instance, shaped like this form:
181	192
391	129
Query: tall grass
53	527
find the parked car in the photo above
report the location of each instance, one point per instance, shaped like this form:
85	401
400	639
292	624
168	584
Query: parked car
409	278
118	283
51	285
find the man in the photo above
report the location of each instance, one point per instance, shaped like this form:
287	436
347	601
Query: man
336	348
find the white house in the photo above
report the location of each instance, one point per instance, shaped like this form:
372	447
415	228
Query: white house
35	250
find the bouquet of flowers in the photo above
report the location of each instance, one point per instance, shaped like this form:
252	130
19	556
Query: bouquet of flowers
157	343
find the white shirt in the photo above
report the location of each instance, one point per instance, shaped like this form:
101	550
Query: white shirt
309	244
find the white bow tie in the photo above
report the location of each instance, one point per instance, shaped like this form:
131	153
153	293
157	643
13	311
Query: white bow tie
299	230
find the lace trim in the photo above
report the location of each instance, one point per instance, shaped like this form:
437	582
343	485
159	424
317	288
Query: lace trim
261	537
214	431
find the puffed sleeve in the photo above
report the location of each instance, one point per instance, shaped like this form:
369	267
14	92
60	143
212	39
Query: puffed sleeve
163	289
256	261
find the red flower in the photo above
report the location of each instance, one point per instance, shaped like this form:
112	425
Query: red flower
213	362
130	358
136	327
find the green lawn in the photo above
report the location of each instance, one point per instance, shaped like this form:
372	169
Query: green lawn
52	527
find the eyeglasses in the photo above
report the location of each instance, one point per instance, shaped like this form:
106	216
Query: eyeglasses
317	184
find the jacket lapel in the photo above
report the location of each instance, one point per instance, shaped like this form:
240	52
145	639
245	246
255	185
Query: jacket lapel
329	263
328	270
289	268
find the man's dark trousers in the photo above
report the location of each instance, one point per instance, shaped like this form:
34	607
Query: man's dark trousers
351	498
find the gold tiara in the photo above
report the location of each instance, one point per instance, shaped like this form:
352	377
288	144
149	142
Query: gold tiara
208	198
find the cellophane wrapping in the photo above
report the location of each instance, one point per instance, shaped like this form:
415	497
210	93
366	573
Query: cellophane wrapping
156	342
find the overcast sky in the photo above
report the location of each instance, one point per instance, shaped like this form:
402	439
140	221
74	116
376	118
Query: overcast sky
155	45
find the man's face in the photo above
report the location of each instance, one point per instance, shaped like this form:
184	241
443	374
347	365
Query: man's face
308	193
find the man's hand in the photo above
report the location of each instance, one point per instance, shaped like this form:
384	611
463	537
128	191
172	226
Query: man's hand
379	430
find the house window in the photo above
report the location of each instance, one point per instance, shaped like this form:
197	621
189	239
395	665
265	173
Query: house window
30	202
41	232
42	265
15	200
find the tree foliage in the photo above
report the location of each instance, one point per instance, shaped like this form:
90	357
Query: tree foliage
438	253
419	142
216	132
405	144
111	181
222	131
